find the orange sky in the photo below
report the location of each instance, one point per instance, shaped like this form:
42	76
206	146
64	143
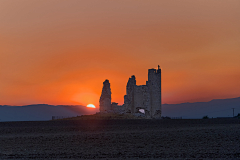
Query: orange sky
60	52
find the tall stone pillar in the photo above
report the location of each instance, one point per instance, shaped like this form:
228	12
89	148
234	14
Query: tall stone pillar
154	84
129	98
105	99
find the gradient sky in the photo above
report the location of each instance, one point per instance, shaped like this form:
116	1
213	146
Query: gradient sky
61	51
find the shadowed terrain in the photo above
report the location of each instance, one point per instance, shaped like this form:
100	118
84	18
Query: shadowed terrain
120	139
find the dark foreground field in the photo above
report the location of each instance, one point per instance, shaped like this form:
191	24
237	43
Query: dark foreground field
121	139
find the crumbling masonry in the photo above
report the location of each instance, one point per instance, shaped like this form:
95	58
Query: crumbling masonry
143	97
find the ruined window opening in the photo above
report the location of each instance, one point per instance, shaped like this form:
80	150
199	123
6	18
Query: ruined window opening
142	111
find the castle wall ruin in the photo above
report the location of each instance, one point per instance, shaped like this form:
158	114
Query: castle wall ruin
146	97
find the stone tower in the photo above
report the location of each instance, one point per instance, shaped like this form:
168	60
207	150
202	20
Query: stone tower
129	97
146	97
105	99
154	86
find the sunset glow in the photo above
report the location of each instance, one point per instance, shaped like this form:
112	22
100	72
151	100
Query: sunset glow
91	106
60	52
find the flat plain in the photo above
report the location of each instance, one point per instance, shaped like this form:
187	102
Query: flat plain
121	139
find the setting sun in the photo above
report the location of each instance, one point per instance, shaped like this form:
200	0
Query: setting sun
91	106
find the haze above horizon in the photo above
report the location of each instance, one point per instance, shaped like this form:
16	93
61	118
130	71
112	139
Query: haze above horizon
60	52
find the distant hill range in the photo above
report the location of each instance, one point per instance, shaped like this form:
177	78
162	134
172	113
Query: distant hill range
41	112
214	108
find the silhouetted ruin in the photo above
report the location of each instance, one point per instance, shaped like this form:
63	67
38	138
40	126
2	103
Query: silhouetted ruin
138	98
105	99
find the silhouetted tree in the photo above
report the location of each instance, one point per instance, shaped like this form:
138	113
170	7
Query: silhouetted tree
238	116
205	117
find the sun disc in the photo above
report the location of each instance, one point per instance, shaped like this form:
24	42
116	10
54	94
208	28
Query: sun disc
91	106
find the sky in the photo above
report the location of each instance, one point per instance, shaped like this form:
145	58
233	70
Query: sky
60	52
